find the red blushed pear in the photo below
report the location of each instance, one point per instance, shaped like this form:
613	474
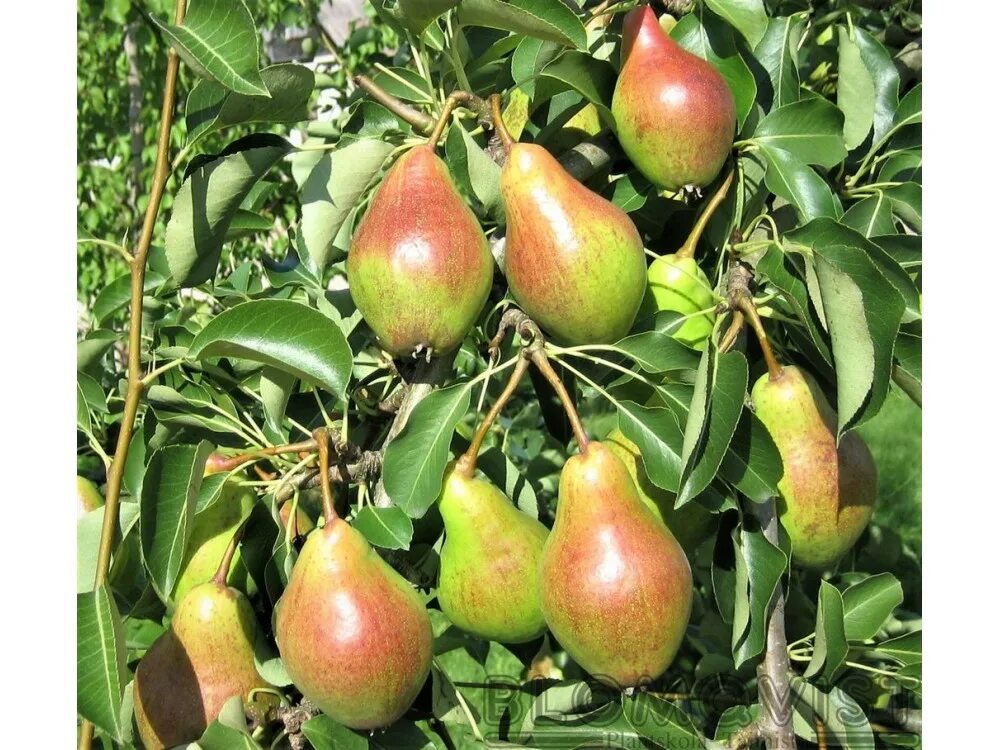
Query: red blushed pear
675	114
419	267
573	260
353	635
616	586
828	490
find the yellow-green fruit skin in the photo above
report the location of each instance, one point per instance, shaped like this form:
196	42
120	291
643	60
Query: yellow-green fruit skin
488	582
690	524
828	491
679	285
212	532
203	659
87	497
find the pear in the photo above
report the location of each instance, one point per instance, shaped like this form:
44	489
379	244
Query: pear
353	635
827	491
675	114
213	528
678	284
690	524
419	266
488	583
87	497
574	261
202	660
616	585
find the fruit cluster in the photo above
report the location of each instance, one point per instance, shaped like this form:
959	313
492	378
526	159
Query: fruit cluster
610	580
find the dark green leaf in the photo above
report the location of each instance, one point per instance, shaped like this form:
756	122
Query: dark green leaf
661	721
219	41
752	463
287	335
884	75
759	567
906	649
324	733
830	649
778	52
210	196
654	351
419	13
746	16
415	459
841	715
868	604
170	489
658	435
594	79
811	130
544	19
100	660
871	216
390	528
799	184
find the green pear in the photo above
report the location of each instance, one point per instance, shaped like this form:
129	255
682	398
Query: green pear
574	261
690	524
87	497
353	634
419	267
212	531
616	585
674	112
488	584
679	285
828	490
202	660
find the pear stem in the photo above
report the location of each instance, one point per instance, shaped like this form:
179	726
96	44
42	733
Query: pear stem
227	558
323	443
498	124
729	337
456	98
404	112
231	463
541	361
746	306
691	243
467	463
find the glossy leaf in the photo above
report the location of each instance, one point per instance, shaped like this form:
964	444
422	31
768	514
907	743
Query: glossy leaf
545	19
286	335
661	721
654	351
799	184
811	130
830	648
219	41
778	52
101	673
389	528
759	567
746	16
210	196
868	604
660	440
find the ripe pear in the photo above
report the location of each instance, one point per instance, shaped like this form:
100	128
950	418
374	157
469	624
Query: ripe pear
202	660
616	585
87	497
827	491
419	266
488	584
574	261
353	635
679	285
675	114
212	531
690	524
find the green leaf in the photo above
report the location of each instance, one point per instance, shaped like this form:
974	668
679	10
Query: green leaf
275	388
885	77
390	528
529	58
211	107
661	721
799	184
544	19
504	474
473	168
286	335
746	16
594	79
658	435
830	650
218	40
759	567
710	427
811	130
868	604
752	463
841	715
871	216
415	460
324	733
419	13
210	196
655	351
101	673
910	109
170	489
906	649
118	293
855	90
778	53
330	187
907	203
704	34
